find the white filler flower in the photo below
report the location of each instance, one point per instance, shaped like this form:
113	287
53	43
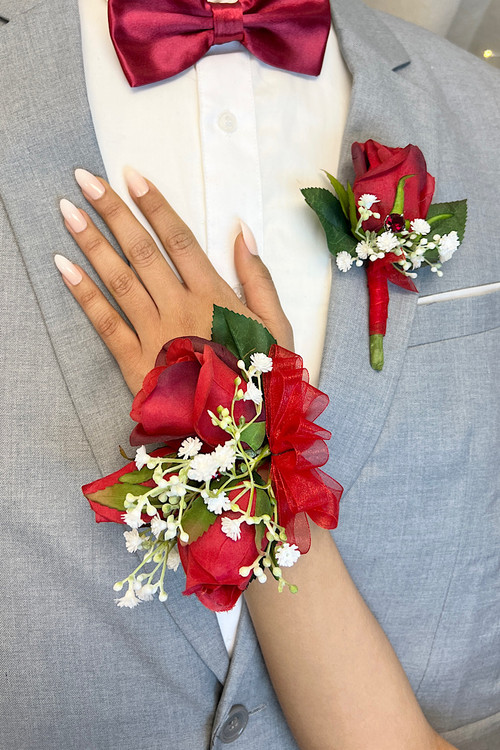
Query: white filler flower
420	226
253	393
231	527
261	362
203	467
133	541
216	504
344	261
141	457
447	246
287	555
387	242
189	447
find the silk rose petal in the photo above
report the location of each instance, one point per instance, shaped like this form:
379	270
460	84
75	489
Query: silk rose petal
212	562
191	376
378	170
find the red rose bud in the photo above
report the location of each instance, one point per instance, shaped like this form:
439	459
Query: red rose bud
378	170
107	495
212	562
192	375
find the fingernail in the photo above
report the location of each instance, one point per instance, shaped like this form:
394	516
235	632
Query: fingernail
68	270
89	184
73	216
248	238
135	182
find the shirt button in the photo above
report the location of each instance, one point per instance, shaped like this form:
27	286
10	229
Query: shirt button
228	122
234	725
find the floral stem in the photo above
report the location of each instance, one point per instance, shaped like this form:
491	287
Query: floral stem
377	351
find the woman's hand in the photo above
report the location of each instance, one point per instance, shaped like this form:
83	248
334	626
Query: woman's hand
158	305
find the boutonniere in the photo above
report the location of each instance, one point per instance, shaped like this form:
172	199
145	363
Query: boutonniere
228	495
387	223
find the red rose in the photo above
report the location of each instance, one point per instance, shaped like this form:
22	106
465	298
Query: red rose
378	170
110	490
191	376
212	562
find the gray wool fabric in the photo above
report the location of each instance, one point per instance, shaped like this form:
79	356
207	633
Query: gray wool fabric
415	446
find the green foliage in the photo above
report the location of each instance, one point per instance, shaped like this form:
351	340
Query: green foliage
137	477
114	496
197	519
263	505
446	217
353	215
241	335
341	194
254	434
399	200
329	211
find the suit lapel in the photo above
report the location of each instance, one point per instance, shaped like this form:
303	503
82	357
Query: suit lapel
389	109
42	74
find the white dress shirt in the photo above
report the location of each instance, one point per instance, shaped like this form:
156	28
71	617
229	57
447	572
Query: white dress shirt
231	138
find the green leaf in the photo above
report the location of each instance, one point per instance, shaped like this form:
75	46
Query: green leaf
114	496
197	519
137	477
353	214
399	200
263	505
260	530
329	211
446	217
241	335
341	194
254	435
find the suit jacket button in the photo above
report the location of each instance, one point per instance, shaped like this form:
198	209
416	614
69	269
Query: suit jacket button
234	725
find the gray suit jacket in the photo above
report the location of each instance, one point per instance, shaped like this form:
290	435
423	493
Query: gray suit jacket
416	446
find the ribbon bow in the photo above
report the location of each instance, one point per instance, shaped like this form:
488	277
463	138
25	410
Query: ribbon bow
156	39
298	448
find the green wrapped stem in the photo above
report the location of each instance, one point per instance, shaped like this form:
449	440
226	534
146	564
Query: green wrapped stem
377	351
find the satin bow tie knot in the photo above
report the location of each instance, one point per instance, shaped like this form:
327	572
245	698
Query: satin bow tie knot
228	22
156	39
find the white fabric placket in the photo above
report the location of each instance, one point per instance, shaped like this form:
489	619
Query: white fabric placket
230	157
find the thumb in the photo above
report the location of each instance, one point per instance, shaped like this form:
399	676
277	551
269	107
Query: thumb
258	286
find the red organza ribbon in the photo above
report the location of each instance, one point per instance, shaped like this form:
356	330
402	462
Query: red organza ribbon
378	273
156	39
298	448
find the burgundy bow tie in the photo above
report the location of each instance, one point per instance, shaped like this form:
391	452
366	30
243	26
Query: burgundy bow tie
156	39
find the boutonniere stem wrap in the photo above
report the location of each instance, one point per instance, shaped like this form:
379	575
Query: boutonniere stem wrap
387	223
229	495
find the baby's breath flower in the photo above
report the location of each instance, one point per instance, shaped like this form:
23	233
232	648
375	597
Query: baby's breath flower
133	518
287	555
203	467
173	559
420	226
261	362
367	200
363	249
216	504
231	527
130	600
190	447
133	541
158	525
344	261
253	393
226	454
141	457
447	246
386	242
146	592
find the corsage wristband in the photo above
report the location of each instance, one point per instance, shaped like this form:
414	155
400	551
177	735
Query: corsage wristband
229	494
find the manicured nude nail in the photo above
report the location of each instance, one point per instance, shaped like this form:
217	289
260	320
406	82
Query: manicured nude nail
68	270
89	184
73	216
248	238
135	182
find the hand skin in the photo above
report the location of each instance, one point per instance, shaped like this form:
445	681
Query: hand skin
336	676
